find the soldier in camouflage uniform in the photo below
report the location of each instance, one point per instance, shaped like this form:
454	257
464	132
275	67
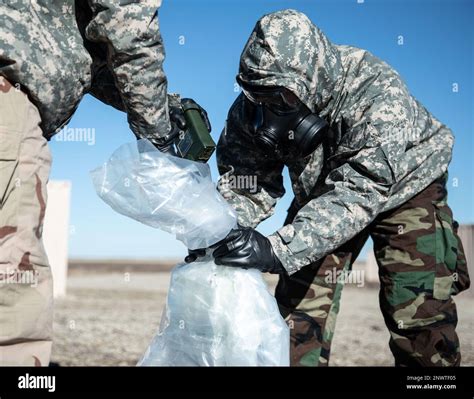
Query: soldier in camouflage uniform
51	54
380	170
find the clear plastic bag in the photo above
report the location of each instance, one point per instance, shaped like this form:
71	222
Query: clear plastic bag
215	315
219	316
173	194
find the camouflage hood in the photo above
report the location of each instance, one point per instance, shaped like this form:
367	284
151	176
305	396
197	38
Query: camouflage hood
287	49
385	146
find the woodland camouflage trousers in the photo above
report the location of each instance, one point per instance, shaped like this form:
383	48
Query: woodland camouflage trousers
421	265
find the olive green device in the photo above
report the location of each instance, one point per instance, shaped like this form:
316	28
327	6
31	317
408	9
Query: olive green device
196	142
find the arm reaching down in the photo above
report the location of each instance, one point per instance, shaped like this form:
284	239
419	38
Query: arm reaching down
135	55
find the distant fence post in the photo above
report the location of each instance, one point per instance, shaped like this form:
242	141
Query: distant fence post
56	232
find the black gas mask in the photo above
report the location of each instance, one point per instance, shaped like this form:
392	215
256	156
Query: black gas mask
281	124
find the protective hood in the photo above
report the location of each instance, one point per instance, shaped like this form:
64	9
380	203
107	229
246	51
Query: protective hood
287	49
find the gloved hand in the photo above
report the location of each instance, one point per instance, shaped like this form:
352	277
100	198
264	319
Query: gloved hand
178	125
247	248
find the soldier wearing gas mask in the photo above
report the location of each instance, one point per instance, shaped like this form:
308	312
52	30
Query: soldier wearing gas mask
365	158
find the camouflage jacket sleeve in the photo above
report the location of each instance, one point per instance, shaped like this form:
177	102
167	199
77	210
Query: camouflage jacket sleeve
355	191
104	89
135	60
251	183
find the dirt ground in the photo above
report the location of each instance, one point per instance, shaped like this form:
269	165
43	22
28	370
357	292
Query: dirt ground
109	318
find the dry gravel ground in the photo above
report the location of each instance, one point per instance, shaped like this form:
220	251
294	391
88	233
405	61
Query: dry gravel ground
108	319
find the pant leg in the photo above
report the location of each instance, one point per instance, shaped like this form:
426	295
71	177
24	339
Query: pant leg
309	302
417	251
26	297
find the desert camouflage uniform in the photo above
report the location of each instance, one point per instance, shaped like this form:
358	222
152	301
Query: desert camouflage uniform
56	51
26	296
383	150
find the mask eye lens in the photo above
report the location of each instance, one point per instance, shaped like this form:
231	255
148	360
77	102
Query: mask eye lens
263	98
281	99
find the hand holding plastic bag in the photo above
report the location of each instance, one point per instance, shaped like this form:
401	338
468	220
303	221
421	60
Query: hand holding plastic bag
215	315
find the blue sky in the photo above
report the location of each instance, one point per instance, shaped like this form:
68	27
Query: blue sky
437	52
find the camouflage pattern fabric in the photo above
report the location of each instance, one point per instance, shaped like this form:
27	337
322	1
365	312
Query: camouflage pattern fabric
377	173
384	146
310	305
421	265
59	50
26	291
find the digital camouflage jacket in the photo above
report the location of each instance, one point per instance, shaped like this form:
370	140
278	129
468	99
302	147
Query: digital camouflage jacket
59	50
383	148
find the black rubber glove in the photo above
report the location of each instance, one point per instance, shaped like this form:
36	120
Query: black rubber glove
178	125
246	248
